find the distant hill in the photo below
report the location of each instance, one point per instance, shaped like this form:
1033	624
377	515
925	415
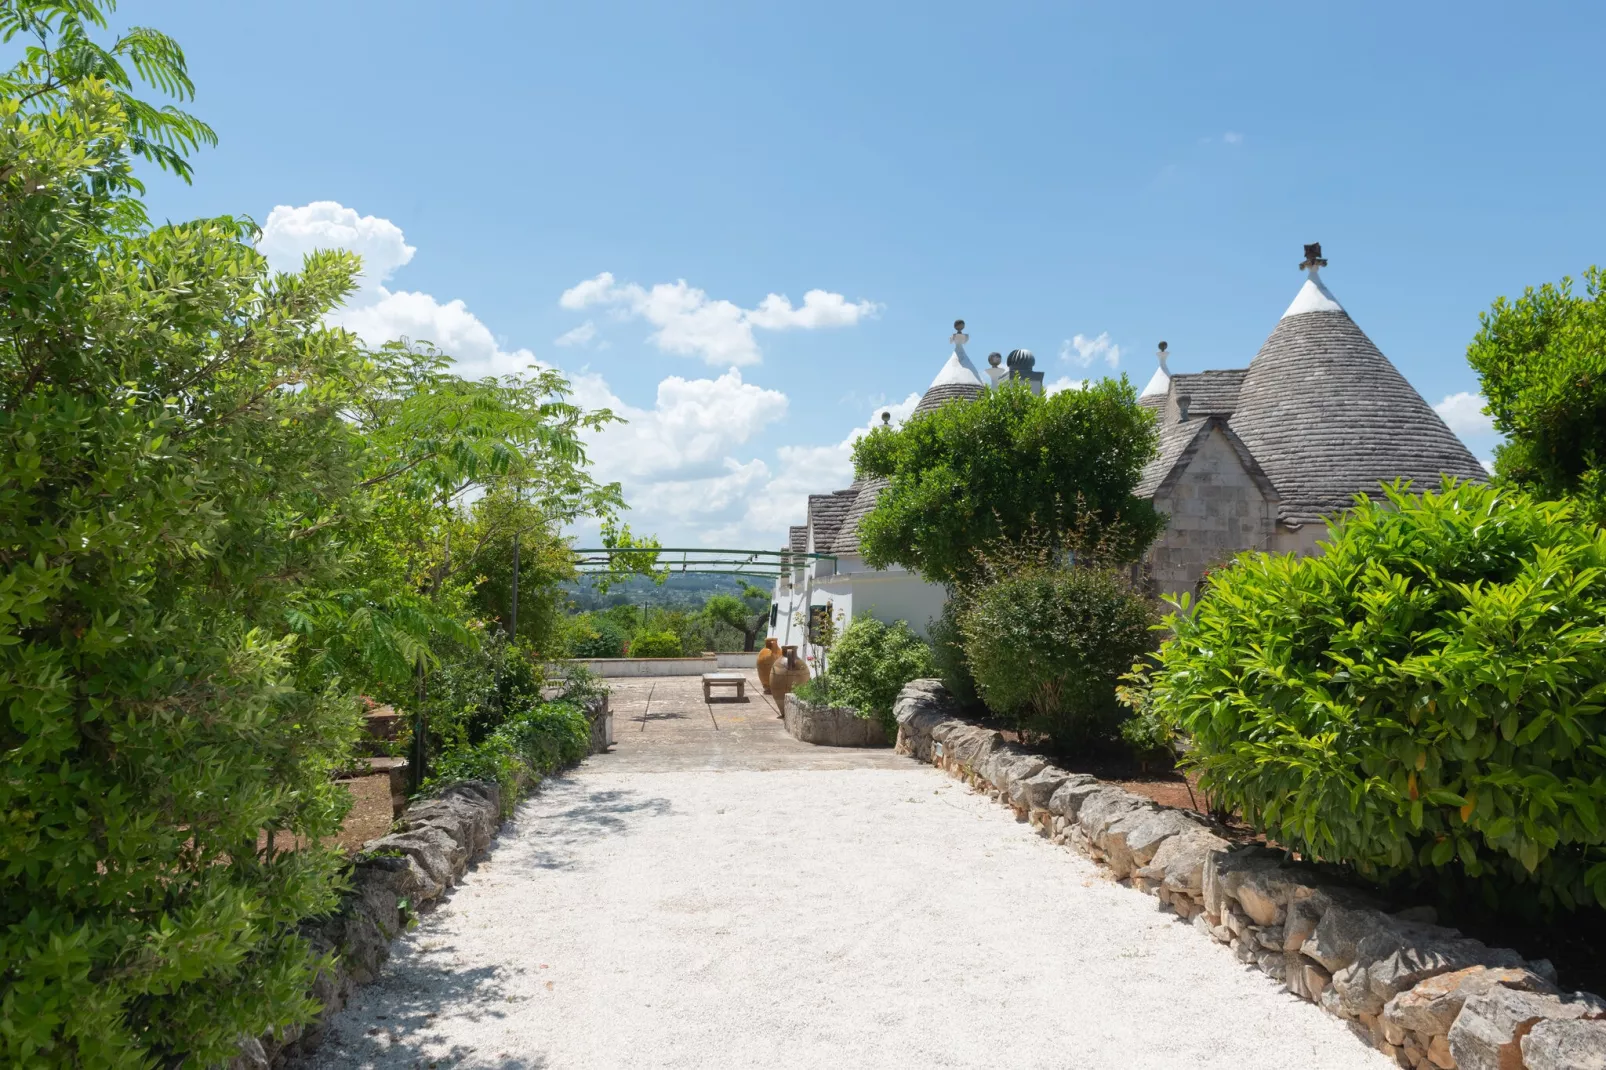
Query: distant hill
678	592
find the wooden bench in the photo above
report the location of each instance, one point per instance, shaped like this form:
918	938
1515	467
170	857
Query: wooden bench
712	680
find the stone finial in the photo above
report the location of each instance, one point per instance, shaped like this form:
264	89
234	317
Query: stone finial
1183	402
959	337
886	419
1313	258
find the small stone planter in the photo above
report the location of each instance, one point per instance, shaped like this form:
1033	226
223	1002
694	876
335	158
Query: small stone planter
831	726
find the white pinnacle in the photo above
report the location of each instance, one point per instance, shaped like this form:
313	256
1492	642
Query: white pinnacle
1314	296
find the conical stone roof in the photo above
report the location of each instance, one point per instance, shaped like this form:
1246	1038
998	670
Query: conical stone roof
957	379
1328	416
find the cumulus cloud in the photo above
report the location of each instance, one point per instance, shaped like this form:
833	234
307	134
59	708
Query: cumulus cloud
1232	137
1463	413
1064	382
376	313
1083	351
579	336
690	323
689	432
804	470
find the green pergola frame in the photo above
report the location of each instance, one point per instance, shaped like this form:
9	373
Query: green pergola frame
687	560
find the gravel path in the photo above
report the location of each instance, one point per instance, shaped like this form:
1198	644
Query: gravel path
873	917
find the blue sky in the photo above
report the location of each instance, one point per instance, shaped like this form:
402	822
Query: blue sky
1119	172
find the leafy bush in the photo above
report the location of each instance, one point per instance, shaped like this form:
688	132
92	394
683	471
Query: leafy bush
655	645
549	736
156	476
817	691
1424	699
493	759
593	636
870	663
948	654
1047	646
531	743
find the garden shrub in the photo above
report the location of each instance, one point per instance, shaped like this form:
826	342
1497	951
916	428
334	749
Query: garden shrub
1422	701
1047	646
531	743
593	636
655	645
869	664
948	654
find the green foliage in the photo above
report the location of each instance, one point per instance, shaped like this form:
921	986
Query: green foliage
220	520
870	663
549	736
818	691
167	414
1543	362
655	645
1424	699
948	653
493	759
1151	735
1047	646
748	614
532	742
595	636
1008	466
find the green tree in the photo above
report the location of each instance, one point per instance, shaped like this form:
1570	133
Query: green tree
1006	468
169	419
748	614
219	519
1542	358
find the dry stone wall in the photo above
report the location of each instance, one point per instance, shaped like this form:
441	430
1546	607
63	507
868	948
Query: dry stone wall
1422	993
831	726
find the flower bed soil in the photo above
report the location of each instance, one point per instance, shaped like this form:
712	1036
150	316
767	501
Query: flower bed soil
369	819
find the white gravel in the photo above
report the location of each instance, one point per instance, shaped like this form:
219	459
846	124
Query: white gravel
852	918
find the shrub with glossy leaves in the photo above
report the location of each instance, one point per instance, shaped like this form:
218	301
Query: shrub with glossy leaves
1424	699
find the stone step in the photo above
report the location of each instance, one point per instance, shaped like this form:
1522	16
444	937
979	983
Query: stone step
382	722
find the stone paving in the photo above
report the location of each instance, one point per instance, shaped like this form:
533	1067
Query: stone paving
662	724
714	894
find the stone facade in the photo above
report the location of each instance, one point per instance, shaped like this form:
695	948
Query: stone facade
1218	504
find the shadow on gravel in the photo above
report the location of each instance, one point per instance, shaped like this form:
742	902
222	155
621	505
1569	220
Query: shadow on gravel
560	835
403	1019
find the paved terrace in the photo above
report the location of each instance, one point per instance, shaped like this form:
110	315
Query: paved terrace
714	894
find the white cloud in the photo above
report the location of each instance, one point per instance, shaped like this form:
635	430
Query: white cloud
689	322
1463	413
579	336
805	470
689	432
1083	350
375	313
1064	382
1233	138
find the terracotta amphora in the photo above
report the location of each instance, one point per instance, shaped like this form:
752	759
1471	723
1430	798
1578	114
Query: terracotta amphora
788	671
766	658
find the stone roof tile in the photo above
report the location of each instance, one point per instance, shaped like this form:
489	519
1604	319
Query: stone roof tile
847	536
1328	416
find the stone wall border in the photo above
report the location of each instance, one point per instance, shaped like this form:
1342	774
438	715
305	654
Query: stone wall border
831	726
1426	995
